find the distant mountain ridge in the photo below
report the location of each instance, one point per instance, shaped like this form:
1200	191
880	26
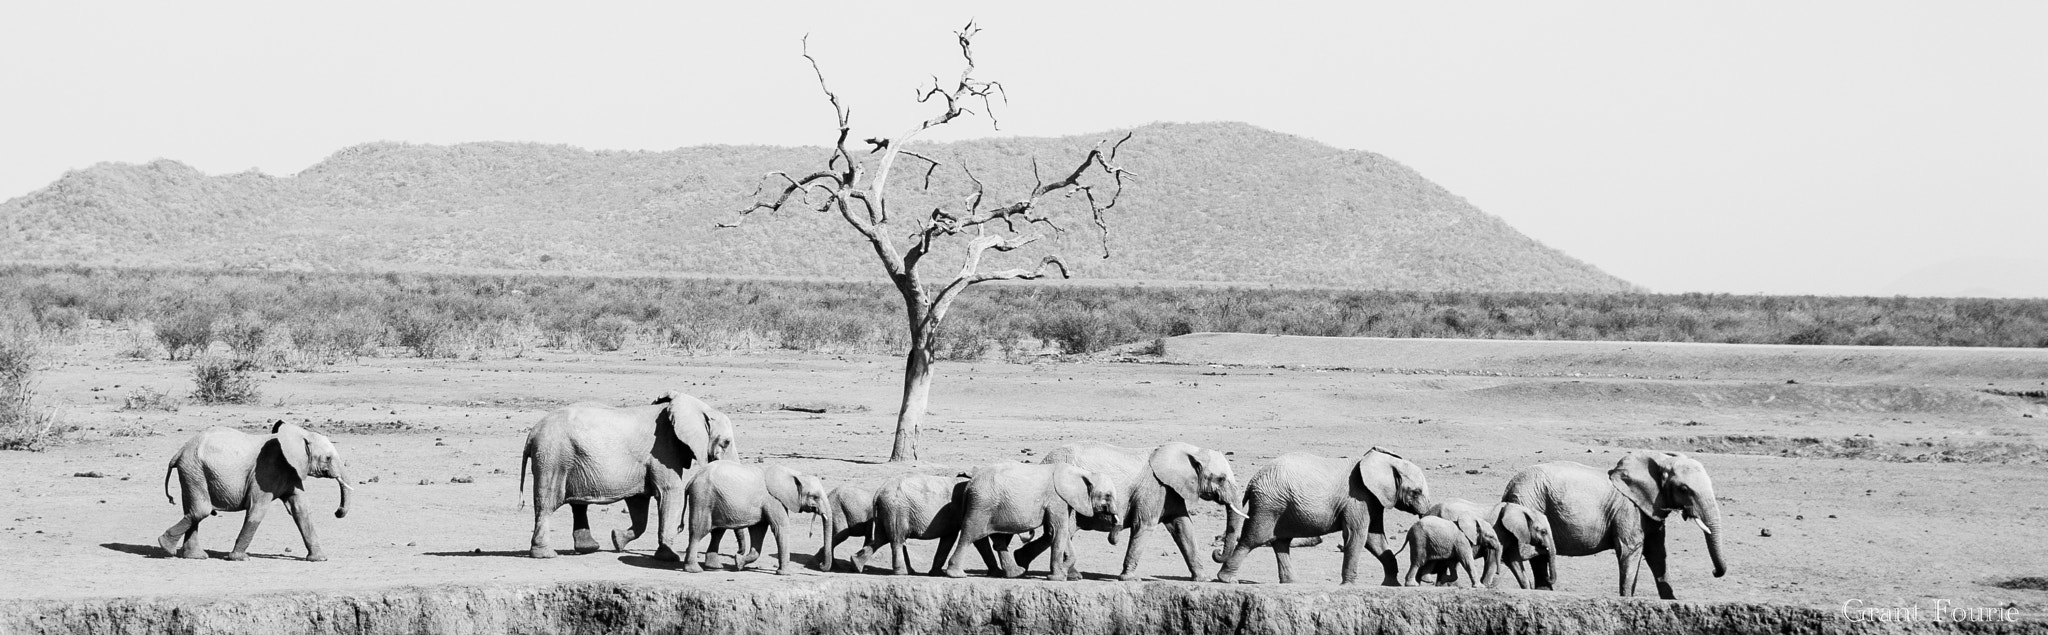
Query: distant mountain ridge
1213	202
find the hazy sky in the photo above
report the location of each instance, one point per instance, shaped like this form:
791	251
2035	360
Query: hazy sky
1784	147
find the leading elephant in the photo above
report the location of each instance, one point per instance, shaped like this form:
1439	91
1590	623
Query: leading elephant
592	454
1304	496
1623	509
1157	486
227	470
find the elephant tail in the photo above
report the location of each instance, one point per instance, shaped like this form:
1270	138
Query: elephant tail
525	457
168	471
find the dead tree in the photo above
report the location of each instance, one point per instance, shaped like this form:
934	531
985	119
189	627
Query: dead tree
859	193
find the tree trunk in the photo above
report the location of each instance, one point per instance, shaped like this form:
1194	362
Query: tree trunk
917	395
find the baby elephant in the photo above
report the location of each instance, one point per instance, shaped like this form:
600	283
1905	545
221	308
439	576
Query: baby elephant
1434	546
732	495
1526	534
849	512
223	469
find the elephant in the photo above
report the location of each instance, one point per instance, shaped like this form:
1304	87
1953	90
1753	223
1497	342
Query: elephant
921	507
1157	486
224	469
1013	498
849	511
1302	495
592	454
1435	545
1622	509
1476	522
1526	534
735	495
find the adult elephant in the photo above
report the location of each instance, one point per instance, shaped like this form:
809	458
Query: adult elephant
1304	496
1157	486
227	470
1623	509
592	454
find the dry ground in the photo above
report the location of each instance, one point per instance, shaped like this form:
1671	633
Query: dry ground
1884	532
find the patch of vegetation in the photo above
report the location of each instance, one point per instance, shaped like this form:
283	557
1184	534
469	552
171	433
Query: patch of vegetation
2026	583
222	380
1861	447
329	317
146	398
24	424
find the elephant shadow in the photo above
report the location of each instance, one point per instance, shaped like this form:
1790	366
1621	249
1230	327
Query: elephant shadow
765	565
479	553
153	551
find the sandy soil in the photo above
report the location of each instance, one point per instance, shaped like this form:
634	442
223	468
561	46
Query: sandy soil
1839	529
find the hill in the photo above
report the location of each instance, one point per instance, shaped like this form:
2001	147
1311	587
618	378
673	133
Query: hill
1215	202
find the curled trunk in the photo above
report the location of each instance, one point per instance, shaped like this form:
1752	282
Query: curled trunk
1233	524
342	478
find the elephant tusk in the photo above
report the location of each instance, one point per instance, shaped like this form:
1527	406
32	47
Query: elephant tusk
1236	510
1703	525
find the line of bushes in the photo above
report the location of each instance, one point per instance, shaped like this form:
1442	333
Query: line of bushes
284	318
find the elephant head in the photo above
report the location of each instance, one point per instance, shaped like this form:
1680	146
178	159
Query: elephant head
703	430
1198	474
1659	482
1088	493
310	454
798	492
1523	526
1393	480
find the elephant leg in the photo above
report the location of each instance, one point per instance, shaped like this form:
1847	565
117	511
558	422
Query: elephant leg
700	526
899	557
946	544
250	521
1465	562
973	530
757	537
1182	529
1492	567
1358	544
636	509
1283	558
1517	567
870	545
579	523
670	506
549	487
1004	556
1417	560
1625	557
1133	552
297	509
186	530
1062	563
1542	568
1032	549
1257	532
777	519
1653	555
1376	544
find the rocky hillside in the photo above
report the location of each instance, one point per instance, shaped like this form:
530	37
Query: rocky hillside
1214	202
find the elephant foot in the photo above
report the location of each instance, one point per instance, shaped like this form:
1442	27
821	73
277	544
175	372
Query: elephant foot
316	557
750	557
169	543
1544	587
1013	572
193	554
693	567
237	556
787	568
1226	577
619	539
585	543
541	552
956	573
667	554
1132	577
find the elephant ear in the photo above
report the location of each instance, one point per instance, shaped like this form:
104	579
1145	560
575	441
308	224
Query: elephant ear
684	420
1640	477
1179	470
291	441
1379	472
786	486
1072	484
1515	525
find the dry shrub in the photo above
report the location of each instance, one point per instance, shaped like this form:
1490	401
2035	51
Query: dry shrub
24	424
219	380
146	398
187	333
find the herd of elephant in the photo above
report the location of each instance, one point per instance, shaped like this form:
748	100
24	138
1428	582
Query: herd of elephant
673	453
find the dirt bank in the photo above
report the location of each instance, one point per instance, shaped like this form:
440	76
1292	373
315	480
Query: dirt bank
939	606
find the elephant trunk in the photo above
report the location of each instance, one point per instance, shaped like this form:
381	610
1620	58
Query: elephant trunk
342	478
1710	522
825	521
1233	521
